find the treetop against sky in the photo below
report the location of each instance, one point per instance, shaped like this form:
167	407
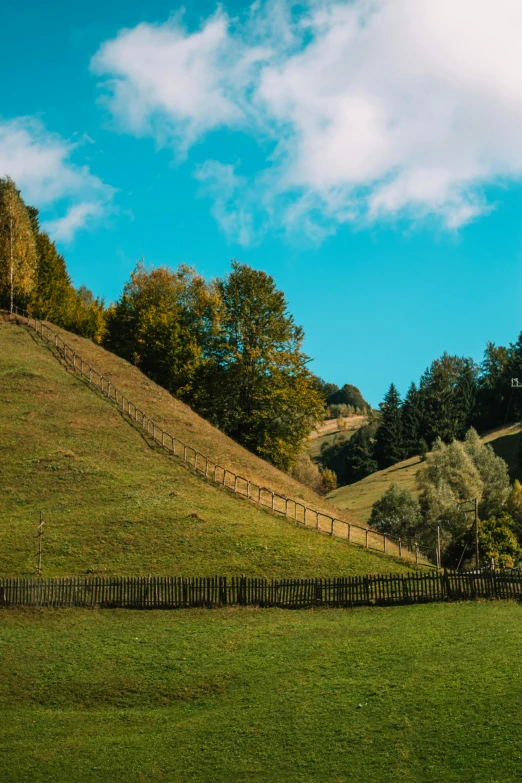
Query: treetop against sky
366	155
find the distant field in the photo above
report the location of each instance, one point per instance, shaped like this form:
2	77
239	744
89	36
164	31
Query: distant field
114	504
425	694
358	498
329	431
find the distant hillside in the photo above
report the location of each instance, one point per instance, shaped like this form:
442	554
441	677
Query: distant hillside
113	503
358	498
329	431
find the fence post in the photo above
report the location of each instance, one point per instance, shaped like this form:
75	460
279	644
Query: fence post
384	541
235	483
349	532
248	489
206	467
273	501
400	548
366	538
332	528
416	554
316	521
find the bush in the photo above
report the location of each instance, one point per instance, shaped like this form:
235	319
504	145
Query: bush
397	512
309	474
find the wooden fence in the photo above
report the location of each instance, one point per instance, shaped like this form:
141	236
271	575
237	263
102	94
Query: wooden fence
168	592
295	510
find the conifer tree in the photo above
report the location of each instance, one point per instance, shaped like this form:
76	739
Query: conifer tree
17	245
411	414
389	445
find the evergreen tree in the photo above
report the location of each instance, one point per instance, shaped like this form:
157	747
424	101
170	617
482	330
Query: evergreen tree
448	389
351	458
17	246
389	444
494	393
254	383
411	413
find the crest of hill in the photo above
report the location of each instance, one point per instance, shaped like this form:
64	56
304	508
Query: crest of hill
113	503
358	498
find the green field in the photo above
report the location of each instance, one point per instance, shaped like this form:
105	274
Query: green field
422	694
358	498
114	504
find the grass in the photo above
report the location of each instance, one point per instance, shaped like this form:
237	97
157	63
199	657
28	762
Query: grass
357	499
329	433
422	694
112	503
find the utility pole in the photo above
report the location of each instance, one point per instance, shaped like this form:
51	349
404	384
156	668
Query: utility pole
40	542
477	558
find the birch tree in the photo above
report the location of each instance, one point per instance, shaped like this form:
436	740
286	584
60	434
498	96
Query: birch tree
18	255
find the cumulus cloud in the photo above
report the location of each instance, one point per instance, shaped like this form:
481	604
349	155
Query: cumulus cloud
370	109
40	164
220	182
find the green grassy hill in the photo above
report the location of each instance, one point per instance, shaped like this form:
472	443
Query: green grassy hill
358	498
114	503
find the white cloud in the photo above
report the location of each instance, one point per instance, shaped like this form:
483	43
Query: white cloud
78	216
375	108
223	185
40	164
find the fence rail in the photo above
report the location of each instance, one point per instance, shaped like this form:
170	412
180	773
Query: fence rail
294	510
168	592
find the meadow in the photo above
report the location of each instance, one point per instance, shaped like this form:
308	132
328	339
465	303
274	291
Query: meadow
422	694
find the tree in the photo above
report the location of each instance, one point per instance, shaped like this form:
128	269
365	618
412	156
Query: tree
411	415
497	540
446	478
53	297
448	389
254	383
493	472
397	512
351	459
389	446
307	472
514	507
494	392
348	395
17	245
161	323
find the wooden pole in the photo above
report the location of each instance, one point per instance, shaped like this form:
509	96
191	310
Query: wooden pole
40	538
477	553
438	546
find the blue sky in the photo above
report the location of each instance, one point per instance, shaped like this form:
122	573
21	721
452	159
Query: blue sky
366	154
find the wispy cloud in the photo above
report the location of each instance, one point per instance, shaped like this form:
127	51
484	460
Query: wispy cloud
371	109
40	163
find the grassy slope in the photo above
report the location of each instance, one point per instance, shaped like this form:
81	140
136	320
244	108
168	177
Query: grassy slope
181	421
358	498
329	432
421	694
114	504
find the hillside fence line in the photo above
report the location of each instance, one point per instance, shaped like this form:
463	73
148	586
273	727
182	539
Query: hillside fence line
293	509
169	592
